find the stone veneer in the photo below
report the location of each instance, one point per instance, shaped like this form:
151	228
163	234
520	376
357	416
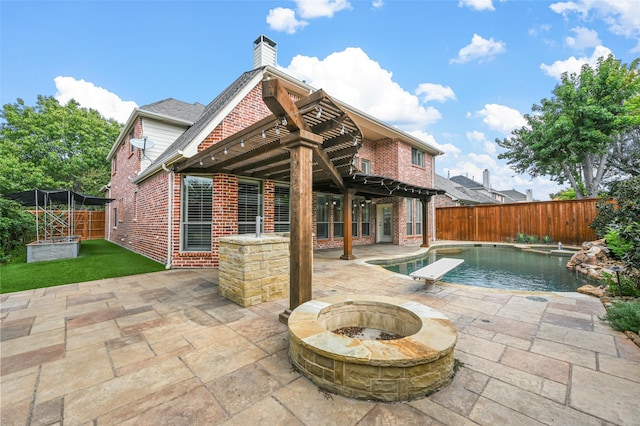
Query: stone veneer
254	270
387	370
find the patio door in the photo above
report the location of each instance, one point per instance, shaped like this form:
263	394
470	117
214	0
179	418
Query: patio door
385	221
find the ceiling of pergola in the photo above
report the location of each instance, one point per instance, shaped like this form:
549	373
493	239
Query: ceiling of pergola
259	151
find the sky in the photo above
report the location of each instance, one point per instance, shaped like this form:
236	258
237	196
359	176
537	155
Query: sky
456	74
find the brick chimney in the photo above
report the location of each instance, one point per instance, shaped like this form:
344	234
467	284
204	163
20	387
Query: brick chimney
264	52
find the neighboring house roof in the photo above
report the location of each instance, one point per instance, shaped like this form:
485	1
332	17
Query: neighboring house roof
514	195
175	108
461	194
466	182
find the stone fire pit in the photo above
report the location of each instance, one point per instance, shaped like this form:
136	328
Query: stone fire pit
415	362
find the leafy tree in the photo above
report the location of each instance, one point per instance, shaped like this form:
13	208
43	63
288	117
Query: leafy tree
570	136
17	227
625	154
53	146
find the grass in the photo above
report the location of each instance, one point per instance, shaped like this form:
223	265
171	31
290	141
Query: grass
98	259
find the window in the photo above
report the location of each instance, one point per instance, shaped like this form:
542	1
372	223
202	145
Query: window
281	209
366	218
338	216
355	205
409	216
115	217
417	157
114	164
322	218
365	166
132	148
197	213
418	217
249	205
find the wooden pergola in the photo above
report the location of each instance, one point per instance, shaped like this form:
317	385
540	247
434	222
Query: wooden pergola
313	144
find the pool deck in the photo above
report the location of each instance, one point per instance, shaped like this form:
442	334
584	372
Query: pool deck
165	348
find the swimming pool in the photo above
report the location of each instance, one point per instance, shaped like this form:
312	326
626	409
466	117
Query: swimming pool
501	267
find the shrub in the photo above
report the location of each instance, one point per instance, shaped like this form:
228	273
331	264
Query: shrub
628	284
521	238
17	228
547	239
532	239
623	316
616	243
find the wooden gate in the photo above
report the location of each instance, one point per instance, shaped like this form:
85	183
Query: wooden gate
564	221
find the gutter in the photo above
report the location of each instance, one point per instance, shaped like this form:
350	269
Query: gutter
156	167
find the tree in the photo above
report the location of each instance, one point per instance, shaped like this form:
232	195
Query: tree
625	154
51	146
571	136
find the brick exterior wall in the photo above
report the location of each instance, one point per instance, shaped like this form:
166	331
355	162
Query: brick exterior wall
145	219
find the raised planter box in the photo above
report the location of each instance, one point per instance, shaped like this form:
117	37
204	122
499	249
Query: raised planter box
65	248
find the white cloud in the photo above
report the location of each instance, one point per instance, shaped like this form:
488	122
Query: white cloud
539	29
89	95
377	4
573	64
480	49
478	138
501	118
435	92
477	4
585	38
356	79
449	149
622	16
310	9
283	19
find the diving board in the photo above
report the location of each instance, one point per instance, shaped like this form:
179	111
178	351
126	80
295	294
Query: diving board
436	270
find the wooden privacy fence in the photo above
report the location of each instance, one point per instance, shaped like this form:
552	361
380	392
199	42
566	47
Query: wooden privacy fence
564	221
89	224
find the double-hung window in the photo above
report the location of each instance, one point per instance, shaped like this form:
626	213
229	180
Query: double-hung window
418	217
281	208
197	213
249	205
409	216
366	219
417	157
355	205
338	216
322	217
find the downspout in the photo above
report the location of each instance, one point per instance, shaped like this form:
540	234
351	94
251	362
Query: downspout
169	216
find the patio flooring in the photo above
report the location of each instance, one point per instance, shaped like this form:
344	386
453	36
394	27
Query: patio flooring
165	348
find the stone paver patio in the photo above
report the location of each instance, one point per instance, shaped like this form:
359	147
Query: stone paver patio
165	348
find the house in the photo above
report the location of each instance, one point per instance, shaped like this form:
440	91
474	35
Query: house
268	150
458	195
461	190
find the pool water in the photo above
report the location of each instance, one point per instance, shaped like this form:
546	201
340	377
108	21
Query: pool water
502	268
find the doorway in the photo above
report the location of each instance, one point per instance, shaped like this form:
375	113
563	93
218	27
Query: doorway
384	218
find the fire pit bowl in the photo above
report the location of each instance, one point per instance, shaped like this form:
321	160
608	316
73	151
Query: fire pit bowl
401	349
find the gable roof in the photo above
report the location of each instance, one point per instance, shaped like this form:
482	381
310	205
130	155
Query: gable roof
460	193
185	146
215	107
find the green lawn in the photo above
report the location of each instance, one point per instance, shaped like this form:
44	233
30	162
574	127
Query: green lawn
98	259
